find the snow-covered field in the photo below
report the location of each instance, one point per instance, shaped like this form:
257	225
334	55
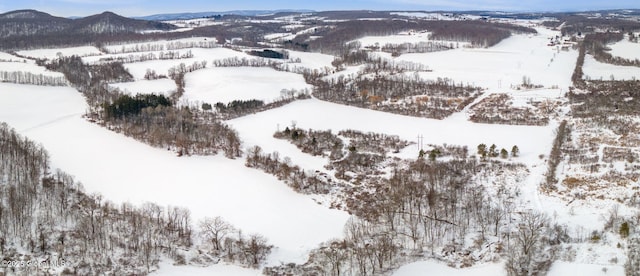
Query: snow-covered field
503	65
412	38
122	169
240	83
434	268
560	268
316	114
596	70
28	66
625	49
11	58
168	269
54	53
311	60
159	86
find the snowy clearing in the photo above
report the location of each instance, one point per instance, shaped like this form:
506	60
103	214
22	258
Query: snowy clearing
168	269
434	268
6	57
53	53
596	70
28	66
239	83
159	86
560	268
503	65
625	49
311	60
412	38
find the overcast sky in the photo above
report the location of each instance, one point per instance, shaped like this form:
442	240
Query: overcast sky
67	8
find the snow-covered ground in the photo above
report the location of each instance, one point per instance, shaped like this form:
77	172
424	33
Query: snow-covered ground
159	86
122	169
316	114
10	58
560	268
625	49
435	268
311	60
405	37
168	269
240	83
596	70
503	65
28	66
53	53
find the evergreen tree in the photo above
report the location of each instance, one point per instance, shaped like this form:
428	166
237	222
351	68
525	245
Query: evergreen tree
515	151
504	153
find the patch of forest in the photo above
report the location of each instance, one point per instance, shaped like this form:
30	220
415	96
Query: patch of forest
426	210
47	217
497	109
400	93
573	24
152	119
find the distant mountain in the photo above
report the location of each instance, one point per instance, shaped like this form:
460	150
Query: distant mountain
32	22
108	22
186	16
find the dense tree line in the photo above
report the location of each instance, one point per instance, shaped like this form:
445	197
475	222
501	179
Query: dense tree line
496	109
402	94
131	58
422	47
127	106
181	129
266	53
239	108
30	78
168	46
580	24
374	142
299	179
246	62
317	143
563	133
